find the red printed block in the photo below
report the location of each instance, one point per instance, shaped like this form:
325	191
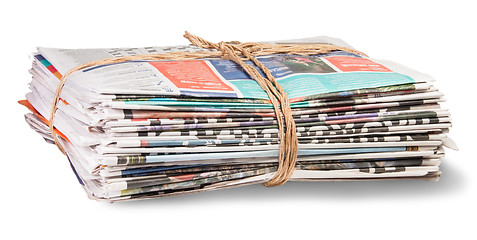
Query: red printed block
194	74
354	64
52	69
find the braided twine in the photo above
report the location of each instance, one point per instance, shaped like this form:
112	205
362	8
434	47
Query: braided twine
237	52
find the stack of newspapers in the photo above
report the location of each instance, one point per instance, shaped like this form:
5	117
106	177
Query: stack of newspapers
144	129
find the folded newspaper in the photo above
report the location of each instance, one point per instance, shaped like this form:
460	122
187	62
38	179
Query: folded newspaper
145	129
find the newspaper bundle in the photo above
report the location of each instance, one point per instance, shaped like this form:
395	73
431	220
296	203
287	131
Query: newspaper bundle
145	129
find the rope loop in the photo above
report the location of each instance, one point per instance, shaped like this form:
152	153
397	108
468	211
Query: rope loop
239	53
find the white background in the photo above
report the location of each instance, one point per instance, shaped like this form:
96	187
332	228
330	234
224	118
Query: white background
41	197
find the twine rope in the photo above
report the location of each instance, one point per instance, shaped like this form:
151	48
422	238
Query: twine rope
239	53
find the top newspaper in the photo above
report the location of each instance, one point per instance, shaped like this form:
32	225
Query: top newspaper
300	76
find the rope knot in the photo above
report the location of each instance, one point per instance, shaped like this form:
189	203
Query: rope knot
226	49
252	47
221	46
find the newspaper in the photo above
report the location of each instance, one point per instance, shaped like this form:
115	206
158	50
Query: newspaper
146	129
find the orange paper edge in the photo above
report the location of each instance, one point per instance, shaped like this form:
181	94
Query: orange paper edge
28	105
